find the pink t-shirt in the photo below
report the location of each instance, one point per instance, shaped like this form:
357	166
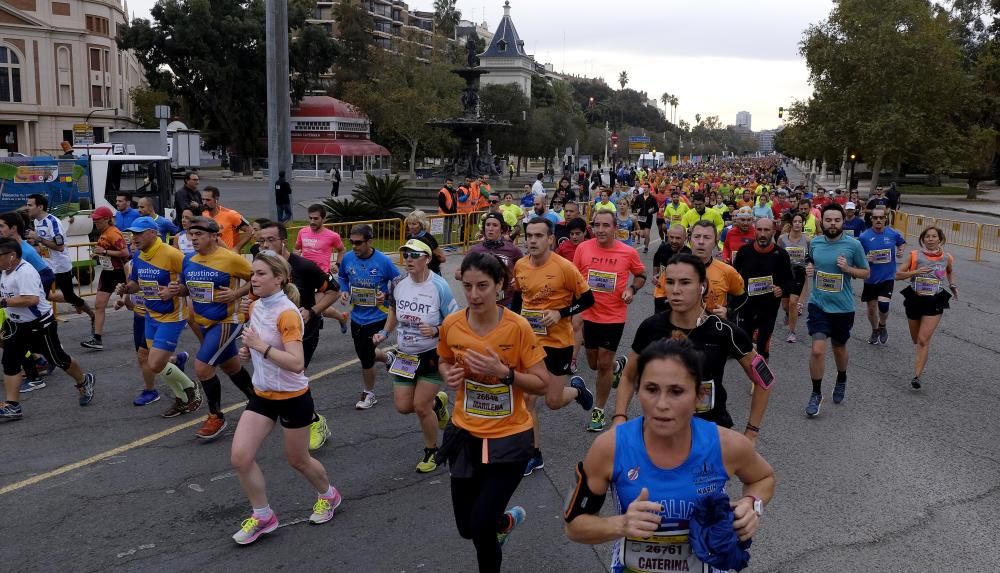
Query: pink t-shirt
317	246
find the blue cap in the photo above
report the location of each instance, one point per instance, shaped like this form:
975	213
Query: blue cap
143	224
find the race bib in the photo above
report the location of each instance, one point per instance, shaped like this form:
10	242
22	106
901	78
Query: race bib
760	285
43	251
706	397
829	282
105	262
881	256
661	553
601	281
491	401
405	365
138	301
926	286
796	254
150	290
641	218
622	234
534	318
849	232
363	296
201	291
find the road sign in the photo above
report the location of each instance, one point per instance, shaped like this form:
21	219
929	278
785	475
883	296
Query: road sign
638	143
614	138
83	134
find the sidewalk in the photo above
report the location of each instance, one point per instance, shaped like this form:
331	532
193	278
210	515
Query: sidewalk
982	206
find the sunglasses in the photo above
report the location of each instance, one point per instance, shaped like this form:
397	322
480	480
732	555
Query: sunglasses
874	218
412	255
358	243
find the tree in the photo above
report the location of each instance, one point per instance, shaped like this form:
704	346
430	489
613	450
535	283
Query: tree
446	17
353	29
144	101
673	104
665	100
623	79
314	52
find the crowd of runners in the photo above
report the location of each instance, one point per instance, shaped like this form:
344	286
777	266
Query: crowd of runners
554	272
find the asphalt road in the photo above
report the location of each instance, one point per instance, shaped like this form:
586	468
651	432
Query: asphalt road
890	480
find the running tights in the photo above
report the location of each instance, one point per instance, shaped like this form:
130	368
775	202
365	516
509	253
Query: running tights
480	503
762	321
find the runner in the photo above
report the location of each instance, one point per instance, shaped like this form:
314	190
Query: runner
606	264
50	239
726	289
576	229
603	205
33	328
512	214
149	394
364	277
882	245
700	213
273	341
853	226
833	261
324	247
630	462
625	223
156	268
111	253
490	357
234	230
741	233
210	278
674	211
767	272
796	244
714	337
925	300
417	303
418	226
811	223
550	293
493	228
646	209
181	241
676	237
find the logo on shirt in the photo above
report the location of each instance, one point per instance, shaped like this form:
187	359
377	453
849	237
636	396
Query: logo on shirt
704	475
633	473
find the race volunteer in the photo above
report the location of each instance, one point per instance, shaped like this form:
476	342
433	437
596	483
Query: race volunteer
417	303
364	280
549	291
654	504
34	329
491	358
606	263
834	259
767	273
676	237
111	253
882	245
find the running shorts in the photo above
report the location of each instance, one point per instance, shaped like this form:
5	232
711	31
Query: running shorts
918	306
363	345
833	325
872	291
109	279
427	370
558	360
163	335
599	335
292	413
40	336
139	331
219	343
798	281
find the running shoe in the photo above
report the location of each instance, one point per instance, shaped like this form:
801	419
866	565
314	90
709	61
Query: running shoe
343	323
29	385
10	411
390	357
146	397
585	398
367	401
427	464
815	400
535	463
839	392
179	407
252	528
43	366
619	367
325	507
181	360
873	339
883	335
516	517
792	338
318	433
915	383
86	389
441	409
212	428
596	420
193	398
93	344
645	249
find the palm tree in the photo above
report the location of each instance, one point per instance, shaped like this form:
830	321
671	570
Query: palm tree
446	17
623	79
673	104
665	99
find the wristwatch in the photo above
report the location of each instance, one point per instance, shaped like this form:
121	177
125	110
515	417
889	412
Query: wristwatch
509	378
758	505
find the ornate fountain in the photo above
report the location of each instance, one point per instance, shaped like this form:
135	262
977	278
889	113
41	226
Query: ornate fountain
472	156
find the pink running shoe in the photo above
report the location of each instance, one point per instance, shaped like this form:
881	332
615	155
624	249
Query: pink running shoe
324	508
252	528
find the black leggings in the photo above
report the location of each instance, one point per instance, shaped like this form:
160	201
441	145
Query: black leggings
762	320
64	282
480	503
41	336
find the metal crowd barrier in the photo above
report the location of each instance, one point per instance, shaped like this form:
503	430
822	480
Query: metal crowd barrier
978	236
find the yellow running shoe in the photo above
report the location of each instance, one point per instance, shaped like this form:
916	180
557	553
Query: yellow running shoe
441	409
318	433
427	465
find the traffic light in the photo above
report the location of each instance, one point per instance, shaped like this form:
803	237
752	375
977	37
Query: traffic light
781	112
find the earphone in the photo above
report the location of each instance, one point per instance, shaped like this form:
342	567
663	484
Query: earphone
702	289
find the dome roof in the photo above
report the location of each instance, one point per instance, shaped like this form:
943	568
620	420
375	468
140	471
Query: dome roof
325	106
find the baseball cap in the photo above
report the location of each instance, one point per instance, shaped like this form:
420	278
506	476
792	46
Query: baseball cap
418	246
744	213
850	206
143	224
206	224
102	213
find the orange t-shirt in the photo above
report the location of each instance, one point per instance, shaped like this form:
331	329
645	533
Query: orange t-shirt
606	272
484	405
552	286
722	280
229	224
111	239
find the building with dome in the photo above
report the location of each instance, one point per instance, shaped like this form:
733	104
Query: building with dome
505	58
328	133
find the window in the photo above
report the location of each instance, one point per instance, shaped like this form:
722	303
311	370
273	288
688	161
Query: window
96	96
502	45
98	25
10	76
95	60
68	135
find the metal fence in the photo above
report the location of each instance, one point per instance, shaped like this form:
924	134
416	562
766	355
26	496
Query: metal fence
978	236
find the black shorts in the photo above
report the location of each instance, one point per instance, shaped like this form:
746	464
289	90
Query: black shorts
558	360
109	279
363	345
599	335
833	325
648	224
918	306
293	413
40	336
872	291
798	281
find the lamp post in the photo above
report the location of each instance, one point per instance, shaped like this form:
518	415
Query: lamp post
93	111
850	178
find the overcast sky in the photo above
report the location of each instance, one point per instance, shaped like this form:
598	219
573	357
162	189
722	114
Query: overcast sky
717	57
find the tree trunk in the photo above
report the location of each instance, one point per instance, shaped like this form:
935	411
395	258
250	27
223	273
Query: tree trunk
413	159
875	173
972	192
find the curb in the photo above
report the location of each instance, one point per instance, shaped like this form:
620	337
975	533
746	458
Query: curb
946	208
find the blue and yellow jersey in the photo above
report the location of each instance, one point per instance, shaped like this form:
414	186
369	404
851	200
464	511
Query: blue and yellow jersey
155	268
204	275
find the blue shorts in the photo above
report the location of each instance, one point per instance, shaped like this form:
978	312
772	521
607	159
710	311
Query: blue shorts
219	344
163	335
833	325
139	330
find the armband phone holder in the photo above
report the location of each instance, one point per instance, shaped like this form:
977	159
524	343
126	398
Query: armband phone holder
761	373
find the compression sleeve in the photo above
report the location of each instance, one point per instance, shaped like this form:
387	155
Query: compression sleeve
585	301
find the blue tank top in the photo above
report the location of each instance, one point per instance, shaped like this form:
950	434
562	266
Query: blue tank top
676	489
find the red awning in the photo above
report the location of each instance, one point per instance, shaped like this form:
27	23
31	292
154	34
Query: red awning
344	147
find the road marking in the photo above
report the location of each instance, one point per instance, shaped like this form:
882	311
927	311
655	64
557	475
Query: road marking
143	441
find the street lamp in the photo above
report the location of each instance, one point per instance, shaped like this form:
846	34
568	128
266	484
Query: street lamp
93	111
850	179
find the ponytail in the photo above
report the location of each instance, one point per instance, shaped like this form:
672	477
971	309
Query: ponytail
292	292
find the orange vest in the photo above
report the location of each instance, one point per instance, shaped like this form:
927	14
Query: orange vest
449	201
471	202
